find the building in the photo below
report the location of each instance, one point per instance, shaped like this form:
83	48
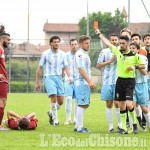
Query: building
64	30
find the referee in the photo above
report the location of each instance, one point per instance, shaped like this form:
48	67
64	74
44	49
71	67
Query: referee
127	62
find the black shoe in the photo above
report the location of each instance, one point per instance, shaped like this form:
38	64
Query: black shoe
118	129
135	129
143	128
122	131
111	130
50	118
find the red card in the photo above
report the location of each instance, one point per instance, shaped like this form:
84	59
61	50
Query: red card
96	24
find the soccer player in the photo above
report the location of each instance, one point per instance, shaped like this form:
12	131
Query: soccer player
146	40
53	61
83	82
4	42
127	62
70	88
126	32
16	122
136	38
141	87
108	65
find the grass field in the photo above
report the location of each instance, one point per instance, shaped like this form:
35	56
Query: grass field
63	137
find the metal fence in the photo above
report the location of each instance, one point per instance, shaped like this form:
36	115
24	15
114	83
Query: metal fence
22	78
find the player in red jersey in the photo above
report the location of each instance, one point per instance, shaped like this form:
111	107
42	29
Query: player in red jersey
17	122
4	42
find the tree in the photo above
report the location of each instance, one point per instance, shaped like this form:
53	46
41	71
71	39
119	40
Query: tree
107	23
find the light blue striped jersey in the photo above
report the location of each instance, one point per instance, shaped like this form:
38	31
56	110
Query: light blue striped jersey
82	60
109	72
70	61
141	78
53	63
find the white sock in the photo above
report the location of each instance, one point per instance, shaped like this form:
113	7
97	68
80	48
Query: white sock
75	111
54	112
138	111
118	117
80	115
109	116
58	106
147	117
68	107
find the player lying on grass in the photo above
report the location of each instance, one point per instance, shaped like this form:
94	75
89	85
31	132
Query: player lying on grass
16	122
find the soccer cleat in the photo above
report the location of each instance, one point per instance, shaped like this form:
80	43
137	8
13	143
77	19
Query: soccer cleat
118	129
84	130
75	129
56	124
143	128
135	129
111	130
50	118
68	122
128	124
122	131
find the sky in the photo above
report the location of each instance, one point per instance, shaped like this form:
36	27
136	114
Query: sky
14	14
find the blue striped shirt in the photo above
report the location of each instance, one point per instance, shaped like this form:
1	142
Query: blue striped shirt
109	72
141	78
53	63
82	60
70	61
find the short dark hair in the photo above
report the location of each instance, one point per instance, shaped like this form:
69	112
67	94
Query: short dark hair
4	34
71	40
24	123
148	34
136	34
83	38
125	38
136	45
113	34
54	38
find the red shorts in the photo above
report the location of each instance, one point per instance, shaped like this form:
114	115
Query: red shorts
3	89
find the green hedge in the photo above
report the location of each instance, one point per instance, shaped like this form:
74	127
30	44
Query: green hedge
21	87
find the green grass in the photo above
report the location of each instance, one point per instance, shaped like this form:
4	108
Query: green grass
43	136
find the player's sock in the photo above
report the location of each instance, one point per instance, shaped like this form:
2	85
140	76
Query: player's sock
118	117
109	116
1	114
68	107
147	117
54	112
58	106
123	117
133	115
80	115
75	111
138	111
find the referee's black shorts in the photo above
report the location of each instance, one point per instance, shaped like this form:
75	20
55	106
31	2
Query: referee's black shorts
124	89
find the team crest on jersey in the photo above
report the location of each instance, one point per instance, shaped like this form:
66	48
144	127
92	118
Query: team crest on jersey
80	56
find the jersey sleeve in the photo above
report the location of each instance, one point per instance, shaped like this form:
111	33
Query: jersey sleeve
79	59
42	60
115	50
101	57
33	123
139	60
13	124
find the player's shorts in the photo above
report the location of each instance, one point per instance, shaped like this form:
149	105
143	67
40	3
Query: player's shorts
70	89
141	94
83	94
108	92
124	89
3	89
54	85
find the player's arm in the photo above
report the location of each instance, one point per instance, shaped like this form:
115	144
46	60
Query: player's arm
103	64
32	115
11	114
143	71
67	70
85	76
38	74
105	40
